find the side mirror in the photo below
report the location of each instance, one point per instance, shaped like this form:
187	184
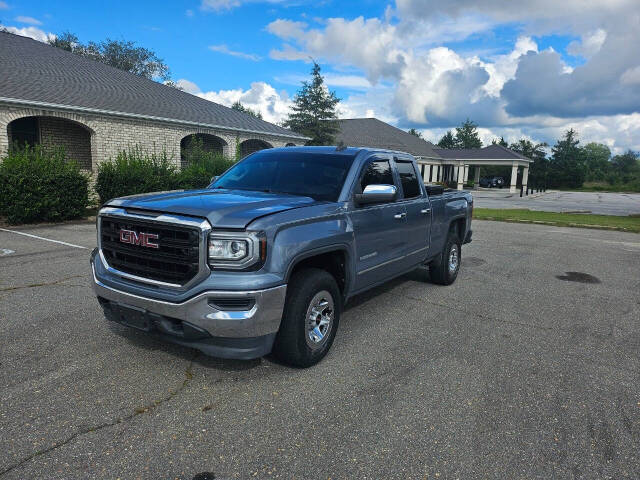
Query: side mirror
213	179
376	194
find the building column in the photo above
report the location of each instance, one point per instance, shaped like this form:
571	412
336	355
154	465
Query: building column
460	176
525	178
4	140
466	173
514	178
476	177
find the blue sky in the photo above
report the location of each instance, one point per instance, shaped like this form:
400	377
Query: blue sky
518	69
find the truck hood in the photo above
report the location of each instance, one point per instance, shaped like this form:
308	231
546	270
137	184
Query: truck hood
223	208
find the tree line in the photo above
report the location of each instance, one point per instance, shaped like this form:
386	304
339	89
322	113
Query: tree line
568	163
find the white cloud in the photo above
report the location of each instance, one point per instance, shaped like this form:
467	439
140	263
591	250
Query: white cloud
29	20
262	97
589	45
227	51
331	79
287	29
3	6
218	5
188	86
225	5
189	13
503	67
31	32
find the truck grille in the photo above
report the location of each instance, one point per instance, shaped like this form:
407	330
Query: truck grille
176	260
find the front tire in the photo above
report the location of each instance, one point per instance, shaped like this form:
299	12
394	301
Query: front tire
444	270
310	320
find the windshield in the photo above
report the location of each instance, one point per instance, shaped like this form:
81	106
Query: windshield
316	175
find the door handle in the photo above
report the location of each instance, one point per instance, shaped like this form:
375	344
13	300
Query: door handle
425	210
399	216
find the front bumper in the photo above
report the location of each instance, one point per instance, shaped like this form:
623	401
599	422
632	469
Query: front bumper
199	323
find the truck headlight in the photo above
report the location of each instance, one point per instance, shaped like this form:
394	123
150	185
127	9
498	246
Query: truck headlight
227	249
236	250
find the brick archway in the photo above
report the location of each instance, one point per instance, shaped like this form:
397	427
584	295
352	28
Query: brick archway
54	131
252	145
209	143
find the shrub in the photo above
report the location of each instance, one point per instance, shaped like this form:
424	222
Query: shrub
41	184
135	171
201	165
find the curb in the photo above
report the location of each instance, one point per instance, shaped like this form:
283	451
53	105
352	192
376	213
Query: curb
556	224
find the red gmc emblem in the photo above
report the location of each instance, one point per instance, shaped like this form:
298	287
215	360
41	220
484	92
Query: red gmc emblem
135	238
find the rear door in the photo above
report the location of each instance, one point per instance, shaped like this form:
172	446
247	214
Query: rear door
418	209
380	240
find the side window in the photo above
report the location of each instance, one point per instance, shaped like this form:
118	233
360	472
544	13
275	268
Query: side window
377	172
410	185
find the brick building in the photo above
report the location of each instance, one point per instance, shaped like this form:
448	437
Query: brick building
53	97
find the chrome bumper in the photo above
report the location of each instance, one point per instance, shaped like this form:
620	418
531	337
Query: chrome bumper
263	318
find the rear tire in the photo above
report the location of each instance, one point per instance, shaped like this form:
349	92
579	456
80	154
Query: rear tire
444	270
310	320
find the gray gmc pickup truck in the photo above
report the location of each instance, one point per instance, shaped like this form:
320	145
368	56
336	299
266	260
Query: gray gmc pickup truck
265	258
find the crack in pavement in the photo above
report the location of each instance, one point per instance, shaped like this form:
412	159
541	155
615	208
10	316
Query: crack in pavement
137	411
45	284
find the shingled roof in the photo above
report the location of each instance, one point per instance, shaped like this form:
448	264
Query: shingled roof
41	75
371	132
492	152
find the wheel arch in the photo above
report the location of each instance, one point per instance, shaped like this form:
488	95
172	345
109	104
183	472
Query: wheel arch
335	259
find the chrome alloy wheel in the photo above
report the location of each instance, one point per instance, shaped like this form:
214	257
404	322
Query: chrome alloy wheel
319	319
454	259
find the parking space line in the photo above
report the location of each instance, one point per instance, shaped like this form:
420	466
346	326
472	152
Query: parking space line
43	238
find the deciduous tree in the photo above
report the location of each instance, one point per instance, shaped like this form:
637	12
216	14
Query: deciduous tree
596	161
122	54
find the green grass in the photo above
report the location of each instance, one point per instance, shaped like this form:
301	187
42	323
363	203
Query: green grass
610	222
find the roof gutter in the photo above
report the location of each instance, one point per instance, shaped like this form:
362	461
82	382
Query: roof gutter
55	106
471	160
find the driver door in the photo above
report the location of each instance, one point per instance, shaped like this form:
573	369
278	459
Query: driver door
379	229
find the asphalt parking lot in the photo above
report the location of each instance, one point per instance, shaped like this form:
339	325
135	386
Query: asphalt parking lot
527	367
600	203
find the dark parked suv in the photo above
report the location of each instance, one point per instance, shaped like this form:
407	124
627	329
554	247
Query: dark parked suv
492	182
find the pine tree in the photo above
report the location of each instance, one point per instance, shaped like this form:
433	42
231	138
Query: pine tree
467	135
447	140
566	168
241	108
312	106
502	142
414	132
